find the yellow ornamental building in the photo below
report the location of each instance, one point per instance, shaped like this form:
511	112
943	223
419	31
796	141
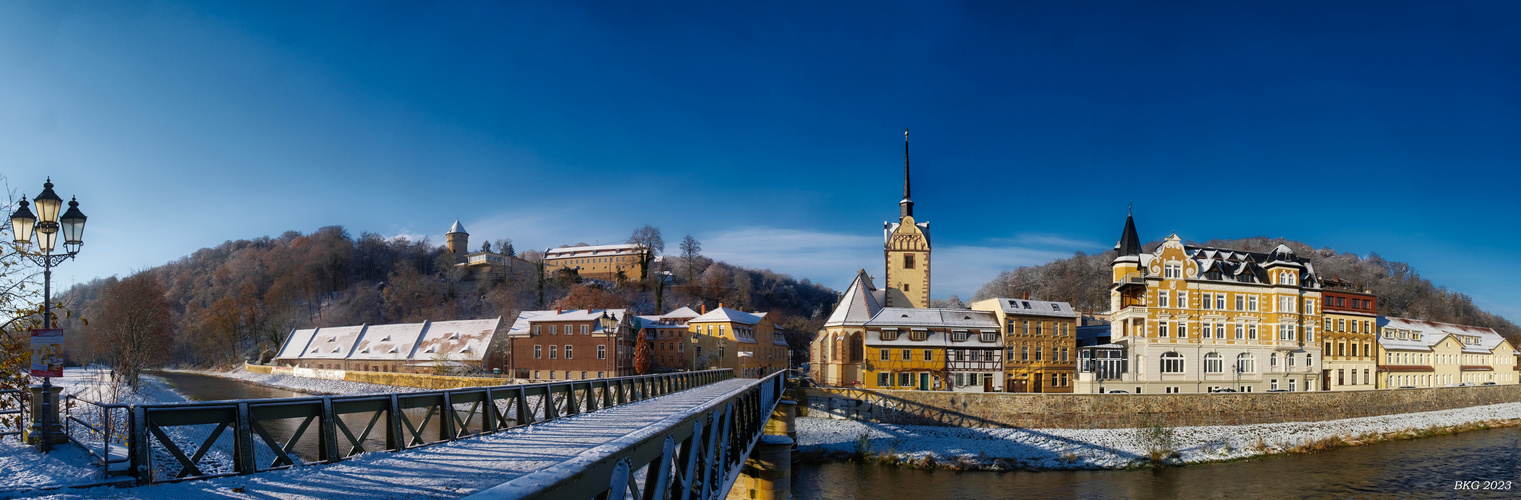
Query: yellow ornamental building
1198	319
745	342
1040	340
933	350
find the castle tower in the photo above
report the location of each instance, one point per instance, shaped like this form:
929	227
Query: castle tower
457	241
1129	249
906	248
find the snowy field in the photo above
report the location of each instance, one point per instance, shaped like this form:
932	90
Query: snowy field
1044	449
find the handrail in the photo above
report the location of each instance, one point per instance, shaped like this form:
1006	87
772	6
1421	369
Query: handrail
698	454
112	423
19	397
178	441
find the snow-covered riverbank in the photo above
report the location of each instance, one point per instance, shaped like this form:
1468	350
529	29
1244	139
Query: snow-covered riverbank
1047	449
313	386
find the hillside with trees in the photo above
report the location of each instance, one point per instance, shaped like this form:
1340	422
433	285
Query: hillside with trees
237	301
1083	280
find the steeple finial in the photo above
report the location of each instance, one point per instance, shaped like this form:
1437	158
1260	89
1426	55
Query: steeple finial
906	206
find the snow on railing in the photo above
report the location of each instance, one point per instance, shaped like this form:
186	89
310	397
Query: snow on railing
173	442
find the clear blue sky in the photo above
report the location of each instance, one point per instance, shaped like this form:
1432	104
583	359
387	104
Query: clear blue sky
772	131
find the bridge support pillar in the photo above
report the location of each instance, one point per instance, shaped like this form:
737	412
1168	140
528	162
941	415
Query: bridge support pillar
767	475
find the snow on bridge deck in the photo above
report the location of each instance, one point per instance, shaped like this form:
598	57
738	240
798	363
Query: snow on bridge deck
444	470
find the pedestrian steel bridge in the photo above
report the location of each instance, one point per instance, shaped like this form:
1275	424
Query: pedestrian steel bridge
682	435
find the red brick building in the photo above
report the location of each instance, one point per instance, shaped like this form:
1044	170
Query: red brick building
572	345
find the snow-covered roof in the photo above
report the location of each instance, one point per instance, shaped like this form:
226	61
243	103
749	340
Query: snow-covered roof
593	251
860	302
682	312
1027	307
296	343
457	340
456	228
1433	332
394	341
934	318
332	342
524	324
727	315
1234	264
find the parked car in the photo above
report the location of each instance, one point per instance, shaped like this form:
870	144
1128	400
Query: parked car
1119	391
1407	387
1224	389
1278	390
1488	383
1466	384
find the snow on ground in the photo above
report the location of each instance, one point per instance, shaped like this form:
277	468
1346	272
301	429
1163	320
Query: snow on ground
314	386
23	469
445	470
1109	448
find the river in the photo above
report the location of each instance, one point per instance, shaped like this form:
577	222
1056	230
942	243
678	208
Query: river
1420	468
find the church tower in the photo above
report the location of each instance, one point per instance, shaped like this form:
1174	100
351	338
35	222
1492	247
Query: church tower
906	247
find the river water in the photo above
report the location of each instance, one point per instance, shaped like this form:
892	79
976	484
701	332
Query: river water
1421	468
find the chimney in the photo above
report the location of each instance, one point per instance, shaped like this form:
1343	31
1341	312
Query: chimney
704	309
588	310
1027	296
720	305
558	311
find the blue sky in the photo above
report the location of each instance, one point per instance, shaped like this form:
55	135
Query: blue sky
772	131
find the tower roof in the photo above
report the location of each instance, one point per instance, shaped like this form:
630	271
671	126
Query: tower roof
457	228
907	204
1130	244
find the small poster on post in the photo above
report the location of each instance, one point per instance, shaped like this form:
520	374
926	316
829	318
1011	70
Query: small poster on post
47	352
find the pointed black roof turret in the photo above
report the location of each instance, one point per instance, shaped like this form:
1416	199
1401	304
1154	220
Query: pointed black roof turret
1130	244
906	207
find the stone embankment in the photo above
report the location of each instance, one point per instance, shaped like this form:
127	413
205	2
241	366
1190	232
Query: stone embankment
1119	411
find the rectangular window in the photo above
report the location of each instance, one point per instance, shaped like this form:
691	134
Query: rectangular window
908	261
585	329
1207	301
552	351
1025	329
1240	302
918	335
552	329
1162	299
884	380
905	379
1220	301
568	351
1038	352
1251	332
1183	330
537	329
882	354
1064	354
1273	384
1162	329
538	352
929	355
1251	303
960	380
1039	327
958	335
1182	300
601	352
907	355
1208	332
1024	354
989	336
1239	332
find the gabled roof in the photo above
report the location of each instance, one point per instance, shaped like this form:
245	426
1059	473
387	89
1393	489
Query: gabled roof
524	324
682	312
934	318
381	342
296	343
464	340
727	315
860	302
1432	332
593	250
1028	307
333	342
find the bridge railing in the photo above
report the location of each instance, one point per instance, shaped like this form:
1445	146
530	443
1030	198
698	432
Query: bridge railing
102	429
693	455
172	442
12	414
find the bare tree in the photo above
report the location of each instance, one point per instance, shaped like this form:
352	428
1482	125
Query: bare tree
134	316
690	249
648	237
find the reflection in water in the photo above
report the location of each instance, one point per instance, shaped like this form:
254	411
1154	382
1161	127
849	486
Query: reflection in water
1421	468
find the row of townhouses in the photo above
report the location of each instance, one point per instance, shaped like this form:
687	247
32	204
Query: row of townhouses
1183	319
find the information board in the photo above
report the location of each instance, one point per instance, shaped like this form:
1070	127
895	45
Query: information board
47	352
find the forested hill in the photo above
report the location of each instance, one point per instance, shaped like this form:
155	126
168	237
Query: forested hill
240	298
1083	280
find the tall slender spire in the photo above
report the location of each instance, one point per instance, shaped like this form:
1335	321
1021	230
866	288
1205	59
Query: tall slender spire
1130	243
906	207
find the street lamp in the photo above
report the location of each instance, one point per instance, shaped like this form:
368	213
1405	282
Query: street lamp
44	227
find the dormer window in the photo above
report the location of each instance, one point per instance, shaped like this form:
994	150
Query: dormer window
918	335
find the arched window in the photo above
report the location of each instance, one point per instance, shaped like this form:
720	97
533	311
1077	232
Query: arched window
1245	363
1172	362
1213	363
1273	361
857	348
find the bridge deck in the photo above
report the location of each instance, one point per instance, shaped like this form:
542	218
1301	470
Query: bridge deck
446	470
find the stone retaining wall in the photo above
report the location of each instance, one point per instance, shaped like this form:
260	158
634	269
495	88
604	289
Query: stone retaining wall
1108	411
383	378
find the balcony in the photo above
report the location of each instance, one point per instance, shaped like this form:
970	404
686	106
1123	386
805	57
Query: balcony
1131	280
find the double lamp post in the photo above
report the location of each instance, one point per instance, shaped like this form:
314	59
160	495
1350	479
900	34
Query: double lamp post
45	227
